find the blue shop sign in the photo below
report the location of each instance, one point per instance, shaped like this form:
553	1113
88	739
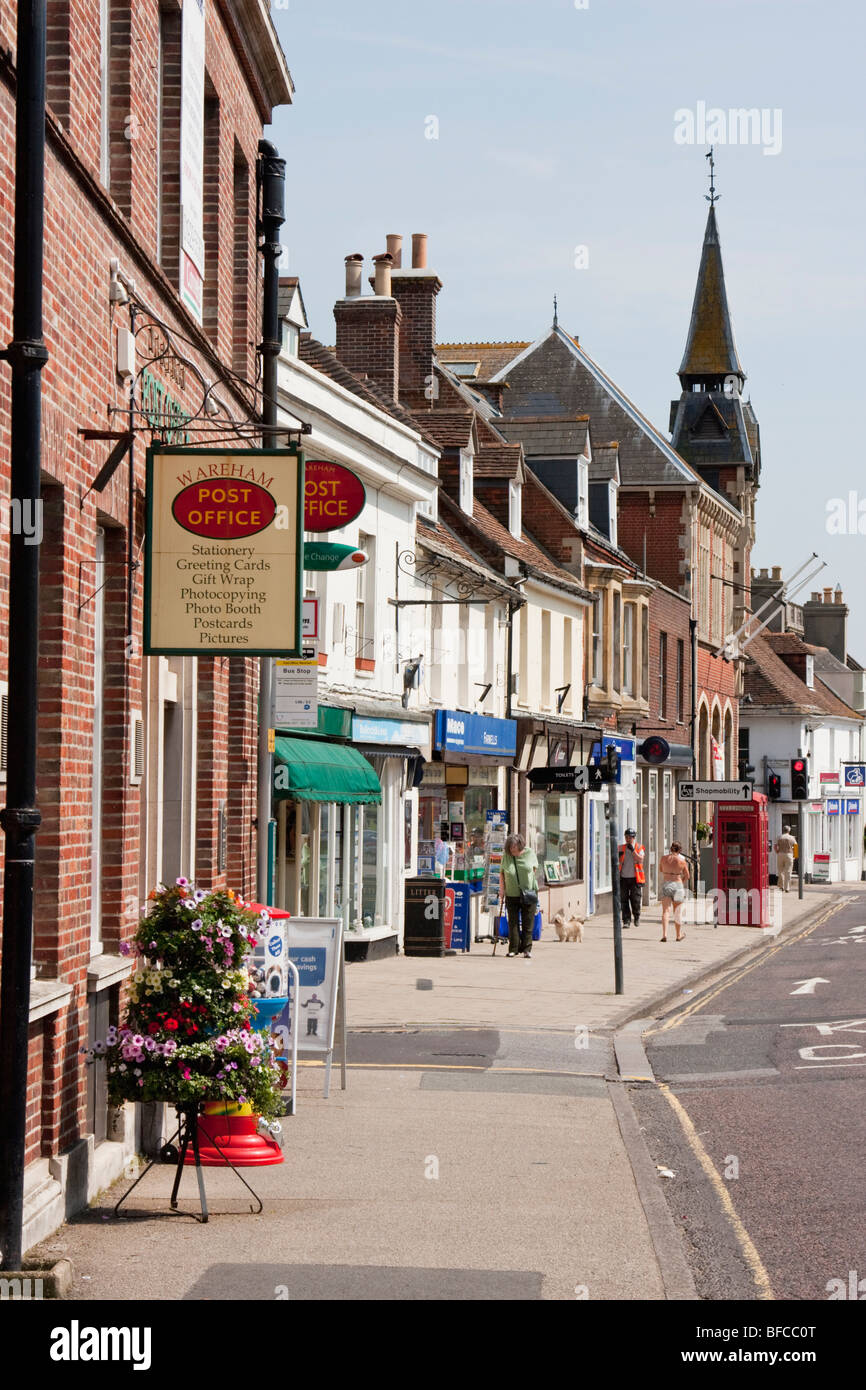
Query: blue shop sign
624	746
456	731
402	731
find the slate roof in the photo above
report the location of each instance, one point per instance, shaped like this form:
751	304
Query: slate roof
547	437
710	347
557	378
772	684
711	428
604	464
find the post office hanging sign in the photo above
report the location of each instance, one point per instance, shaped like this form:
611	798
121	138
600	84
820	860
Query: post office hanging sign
224	552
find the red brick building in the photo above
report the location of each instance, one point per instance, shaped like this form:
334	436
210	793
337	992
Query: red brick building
146	765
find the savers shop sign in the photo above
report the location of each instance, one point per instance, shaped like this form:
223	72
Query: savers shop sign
224	552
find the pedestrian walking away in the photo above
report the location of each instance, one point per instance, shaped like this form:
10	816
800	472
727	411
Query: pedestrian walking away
674	876
518	886
631	878
785	848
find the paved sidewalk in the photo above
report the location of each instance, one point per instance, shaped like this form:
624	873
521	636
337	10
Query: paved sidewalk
425	1180
566	984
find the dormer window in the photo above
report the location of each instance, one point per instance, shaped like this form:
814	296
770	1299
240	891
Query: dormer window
515	508
466	470
611	511
581	511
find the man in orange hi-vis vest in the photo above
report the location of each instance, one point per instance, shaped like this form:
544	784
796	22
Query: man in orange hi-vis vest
631	878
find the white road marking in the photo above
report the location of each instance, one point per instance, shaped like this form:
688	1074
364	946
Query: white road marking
808	986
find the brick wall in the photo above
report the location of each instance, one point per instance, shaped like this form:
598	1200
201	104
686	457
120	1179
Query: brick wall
87	224
368	339
661	518
668	613
416	295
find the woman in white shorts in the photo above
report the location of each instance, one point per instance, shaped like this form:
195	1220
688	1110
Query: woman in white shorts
674	875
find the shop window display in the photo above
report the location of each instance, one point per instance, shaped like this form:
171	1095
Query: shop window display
555	833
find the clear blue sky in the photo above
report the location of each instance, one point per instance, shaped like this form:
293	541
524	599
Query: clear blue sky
556	130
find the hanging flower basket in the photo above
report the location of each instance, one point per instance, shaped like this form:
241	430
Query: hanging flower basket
188	1037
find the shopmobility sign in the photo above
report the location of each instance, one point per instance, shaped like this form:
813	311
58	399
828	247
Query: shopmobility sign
457	731
223	552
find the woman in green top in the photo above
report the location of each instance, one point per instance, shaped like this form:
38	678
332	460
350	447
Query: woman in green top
518	872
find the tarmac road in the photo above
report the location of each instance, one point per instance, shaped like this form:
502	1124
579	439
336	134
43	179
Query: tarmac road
759	1114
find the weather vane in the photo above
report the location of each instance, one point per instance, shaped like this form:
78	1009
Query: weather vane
555	315
712	197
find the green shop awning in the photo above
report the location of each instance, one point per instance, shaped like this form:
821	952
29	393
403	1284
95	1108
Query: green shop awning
309	770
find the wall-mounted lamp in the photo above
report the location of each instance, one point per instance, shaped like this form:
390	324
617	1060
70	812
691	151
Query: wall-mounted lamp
211	404
411	678
116	291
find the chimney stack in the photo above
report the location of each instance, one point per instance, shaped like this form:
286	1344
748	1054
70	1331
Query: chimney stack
382	280
826	622
354	271
394	243
415	290
368	326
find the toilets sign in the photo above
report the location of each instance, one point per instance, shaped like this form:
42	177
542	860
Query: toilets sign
223	571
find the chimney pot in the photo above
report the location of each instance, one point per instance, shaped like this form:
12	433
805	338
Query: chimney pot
764	574
837	595
777	571
828	595
815	596
394	243
419	250
382	281
354	269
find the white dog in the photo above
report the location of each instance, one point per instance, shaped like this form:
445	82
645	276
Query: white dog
567	926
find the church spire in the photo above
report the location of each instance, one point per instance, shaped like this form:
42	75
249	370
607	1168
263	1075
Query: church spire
711	353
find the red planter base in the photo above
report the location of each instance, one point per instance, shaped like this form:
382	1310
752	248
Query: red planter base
237	1136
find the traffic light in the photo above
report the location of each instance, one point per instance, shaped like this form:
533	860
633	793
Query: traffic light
799	779
609	765
746	770
655	750
774	786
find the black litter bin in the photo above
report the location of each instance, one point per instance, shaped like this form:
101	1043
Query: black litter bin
424	933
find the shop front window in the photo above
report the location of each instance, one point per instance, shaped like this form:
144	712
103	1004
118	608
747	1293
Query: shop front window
556	835
326	824
370	877
851	823
601	848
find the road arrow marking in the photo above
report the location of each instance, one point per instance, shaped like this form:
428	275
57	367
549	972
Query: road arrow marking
808	986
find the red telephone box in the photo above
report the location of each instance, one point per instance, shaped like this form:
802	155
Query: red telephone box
741	861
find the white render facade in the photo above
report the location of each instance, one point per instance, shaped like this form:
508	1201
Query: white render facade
828	743
334	858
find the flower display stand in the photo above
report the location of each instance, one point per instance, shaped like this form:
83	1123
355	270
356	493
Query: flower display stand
188	1126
